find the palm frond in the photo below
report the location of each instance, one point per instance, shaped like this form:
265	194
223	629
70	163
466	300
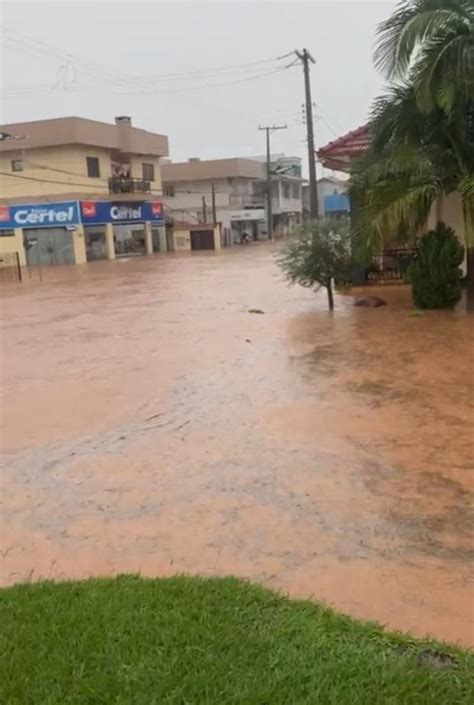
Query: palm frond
411	25
444	71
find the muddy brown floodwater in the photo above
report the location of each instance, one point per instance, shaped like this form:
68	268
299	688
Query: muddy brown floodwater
150	423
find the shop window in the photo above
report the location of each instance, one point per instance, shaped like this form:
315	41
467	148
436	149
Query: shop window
17	165
148	171
93	168
7	233
295	191
168	191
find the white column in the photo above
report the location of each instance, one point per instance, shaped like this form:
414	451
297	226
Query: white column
109	241
148	239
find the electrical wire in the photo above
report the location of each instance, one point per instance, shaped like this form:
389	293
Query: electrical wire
77	88
158	192
41	48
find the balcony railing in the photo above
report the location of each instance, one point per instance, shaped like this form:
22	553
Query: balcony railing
244	200
118	184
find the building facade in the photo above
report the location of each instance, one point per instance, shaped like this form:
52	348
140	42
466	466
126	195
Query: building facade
74	190
233	191
332	199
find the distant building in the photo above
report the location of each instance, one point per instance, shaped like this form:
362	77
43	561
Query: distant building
239	186
332	198
73	190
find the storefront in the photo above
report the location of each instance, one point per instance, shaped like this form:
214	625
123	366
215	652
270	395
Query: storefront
250	222
74	232
42	233
129	229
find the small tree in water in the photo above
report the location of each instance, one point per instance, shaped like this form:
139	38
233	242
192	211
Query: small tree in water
319	253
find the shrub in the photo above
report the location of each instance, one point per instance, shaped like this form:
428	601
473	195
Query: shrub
435	274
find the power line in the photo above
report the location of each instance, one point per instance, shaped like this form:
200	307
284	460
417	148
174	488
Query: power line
46	181
77	88
42	48
158	192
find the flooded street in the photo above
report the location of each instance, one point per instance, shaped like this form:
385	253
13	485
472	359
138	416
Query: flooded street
150	423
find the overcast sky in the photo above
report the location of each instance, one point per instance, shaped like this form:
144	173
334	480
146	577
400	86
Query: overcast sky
93	59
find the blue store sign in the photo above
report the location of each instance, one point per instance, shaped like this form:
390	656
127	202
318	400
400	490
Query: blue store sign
96	212
39	215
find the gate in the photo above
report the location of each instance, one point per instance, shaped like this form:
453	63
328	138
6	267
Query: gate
202	239
46	246
390	265
10	268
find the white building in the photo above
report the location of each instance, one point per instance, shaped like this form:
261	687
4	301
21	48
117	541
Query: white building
237	186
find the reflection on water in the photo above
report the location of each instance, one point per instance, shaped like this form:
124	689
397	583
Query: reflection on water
150	423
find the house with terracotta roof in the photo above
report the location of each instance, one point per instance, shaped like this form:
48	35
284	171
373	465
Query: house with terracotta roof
341	152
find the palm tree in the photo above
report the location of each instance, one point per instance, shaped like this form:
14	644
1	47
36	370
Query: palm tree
432	41
423	129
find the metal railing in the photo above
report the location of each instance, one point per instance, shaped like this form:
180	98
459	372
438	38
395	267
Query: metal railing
391	264
118	184
246	199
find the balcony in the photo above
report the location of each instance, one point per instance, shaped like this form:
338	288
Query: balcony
246	200
120	184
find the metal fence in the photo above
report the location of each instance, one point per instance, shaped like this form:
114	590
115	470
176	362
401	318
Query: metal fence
391	265
10	268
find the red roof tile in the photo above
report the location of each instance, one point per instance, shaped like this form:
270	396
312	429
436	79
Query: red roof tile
350	145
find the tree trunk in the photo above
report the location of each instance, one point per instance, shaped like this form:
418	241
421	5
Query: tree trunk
330	295
470	279
468	209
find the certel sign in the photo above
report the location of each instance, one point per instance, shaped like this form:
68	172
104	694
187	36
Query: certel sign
49	215
44	215
110	212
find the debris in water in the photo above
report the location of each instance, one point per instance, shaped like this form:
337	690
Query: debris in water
371	302
416	313
256	310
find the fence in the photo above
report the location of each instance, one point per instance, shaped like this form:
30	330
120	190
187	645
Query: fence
391	265
10	268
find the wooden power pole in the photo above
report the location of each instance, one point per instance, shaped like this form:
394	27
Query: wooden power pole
213	202
305	57
269	129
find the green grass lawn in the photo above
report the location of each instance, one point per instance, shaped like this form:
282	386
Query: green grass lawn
189	641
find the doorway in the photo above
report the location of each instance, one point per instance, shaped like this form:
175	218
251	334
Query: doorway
46	246
95	243
202	239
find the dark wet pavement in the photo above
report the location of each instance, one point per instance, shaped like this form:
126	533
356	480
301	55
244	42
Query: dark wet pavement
150	423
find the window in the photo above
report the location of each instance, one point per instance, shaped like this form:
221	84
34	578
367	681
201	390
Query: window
17	165
7	233
168	191
286	190
295	191
148	171
93	169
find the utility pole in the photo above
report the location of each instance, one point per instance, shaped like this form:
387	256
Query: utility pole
269	129
305	57
204	210
213	202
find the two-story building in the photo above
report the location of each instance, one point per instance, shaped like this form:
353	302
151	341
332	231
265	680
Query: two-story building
73	190
233	192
